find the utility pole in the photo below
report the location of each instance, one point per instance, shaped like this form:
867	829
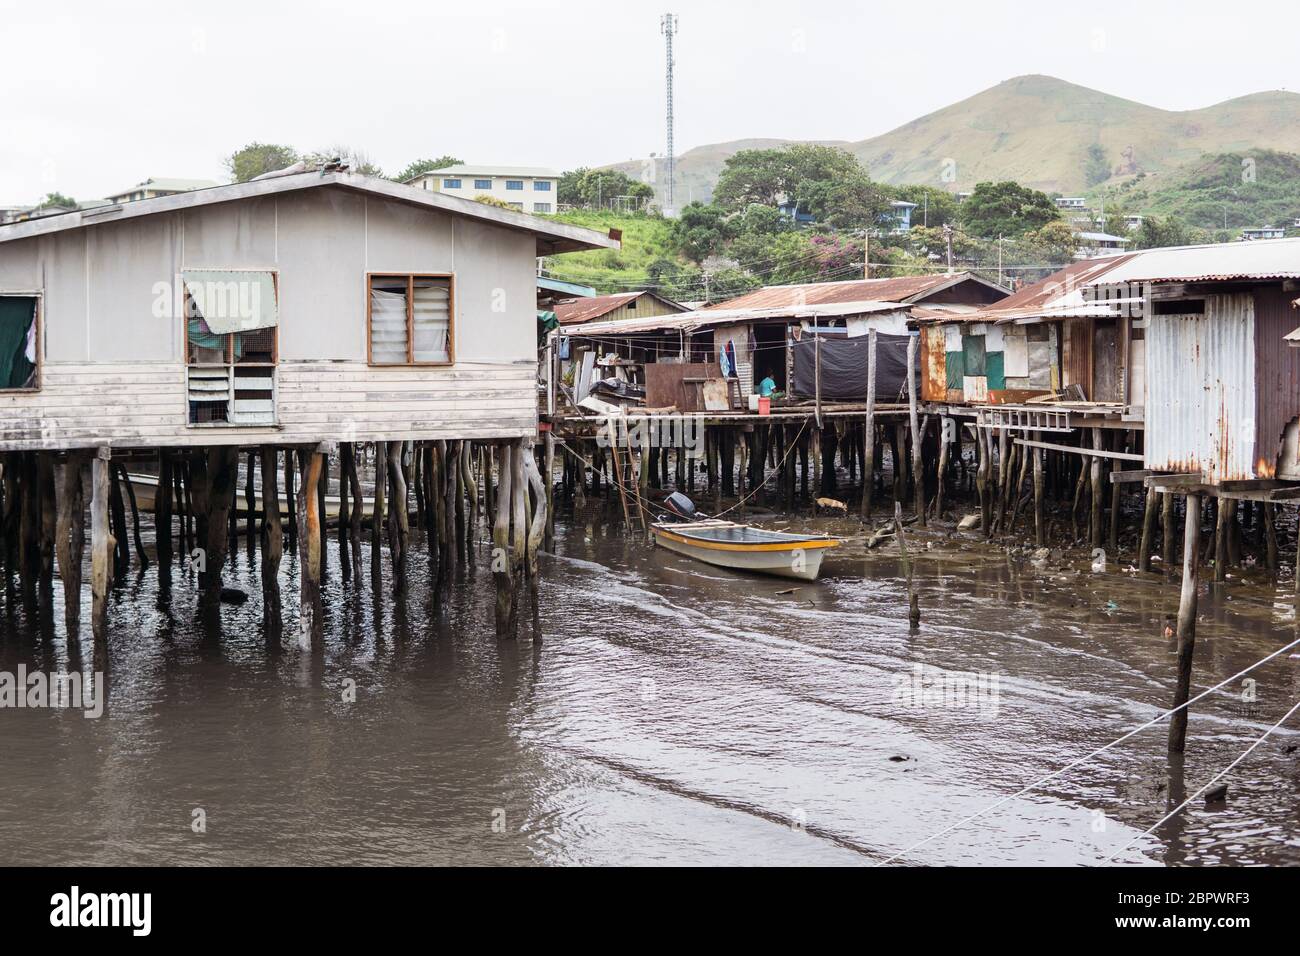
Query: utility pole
866	253
668	27
947	236
999	258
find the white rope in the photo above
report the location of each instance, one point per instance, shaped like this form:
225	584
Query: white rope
1086	757
1206	786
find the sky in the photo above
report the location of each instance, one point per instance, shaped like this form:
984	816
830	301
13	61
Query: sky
95	97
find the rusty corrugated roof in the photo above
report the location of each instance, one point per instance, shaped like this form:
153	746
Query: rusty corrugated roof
900	289
1060	295
575	311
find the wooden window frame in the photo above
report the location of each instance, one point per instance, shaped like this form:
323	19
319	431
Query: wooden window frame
410	278
230	362
38	318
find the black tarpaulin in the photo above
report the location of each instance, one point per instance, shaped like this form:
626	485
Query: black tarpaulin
844	368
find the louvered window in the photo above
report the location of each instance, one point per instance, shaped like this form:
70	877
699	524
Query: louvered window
231	347
410	320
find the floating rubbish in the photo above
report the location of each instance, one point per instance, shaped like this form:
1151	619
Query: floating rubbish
968	522
1218	795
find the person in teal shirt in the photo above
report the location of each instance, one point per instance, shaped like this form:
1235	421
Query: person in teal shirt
766	387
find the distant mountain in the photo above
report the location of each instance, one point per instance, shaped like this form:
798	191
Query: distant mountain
1042	132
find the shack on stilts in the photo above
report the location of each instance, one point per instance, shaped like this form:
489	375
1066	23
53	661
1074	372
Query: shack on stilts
310	323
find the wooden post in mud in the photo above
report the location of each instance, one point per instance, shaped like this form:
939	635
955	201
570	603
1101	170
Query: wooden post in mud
135	519
869	430
502	564
913	599
548	473
984	445
918	473
945	423
101	548
1186	623
1270	540
399	517
309	551
1094	521
250	500
272	551
537	522
346	463
1223	528
377	518
46	496
1148	530
117	514
1167	551
1040	529
162	515
289	495
223	472
469	486
70	538
357	518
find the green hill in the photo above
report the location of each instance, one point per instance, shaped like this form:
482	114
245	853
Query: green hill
1045	133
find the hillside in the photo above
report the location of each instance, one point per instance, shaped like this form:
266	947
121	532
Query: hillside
1227	190
645	241
1045	133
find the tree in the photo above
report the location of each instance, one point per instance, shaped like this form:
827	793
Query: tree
768	176
760	220
1097	168
421	166
933	205
700	231
257	159
57	199
847	201
729	283
1157	231
597	188
1006	209
1055	244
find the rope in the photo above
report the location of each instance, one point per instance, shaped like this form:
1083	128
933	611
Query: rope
1086	757
1209	783
759	487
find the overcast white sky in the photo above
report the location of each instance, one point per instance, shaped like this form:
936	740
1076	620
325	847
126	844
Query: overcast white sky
96	96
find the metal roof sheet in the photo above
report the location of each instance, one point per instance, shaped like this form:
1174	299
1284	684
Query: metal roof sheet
1223	261
899	289
584	310
687	321
552	237
1060	295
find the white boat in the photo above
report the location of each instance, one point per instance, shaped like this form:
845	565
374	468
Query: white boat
746	548
146	492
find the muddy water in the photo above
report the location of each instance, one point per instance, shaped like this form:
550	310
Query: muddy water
655	710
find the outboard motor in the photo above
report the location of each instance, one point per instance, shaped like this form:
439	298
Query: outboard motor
680	507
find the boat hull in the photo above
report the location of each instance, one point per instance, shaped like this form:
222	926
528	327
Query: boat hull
799	560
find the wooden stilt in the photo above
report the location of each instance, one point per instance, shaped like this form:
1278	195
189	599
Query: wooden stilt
983	474
1148	530
918	474
70	538
290	496
272	551
310	626
377	519
101	551
46	497
502	563
162	515
117	512
1270	539
1167	547
1186	624
135	519
399	520
250	501
913	599
346	466
548	473
1094	522
223	469
1221	533
357	518
1040	528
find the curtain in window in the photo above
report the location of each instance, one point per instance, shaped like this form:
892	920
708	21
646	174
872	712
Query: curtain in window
387	327
432	320
17	338
232	301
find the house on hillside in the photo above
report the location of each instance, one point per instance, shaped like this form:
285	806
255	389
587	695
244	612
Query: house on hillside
1265	232
298	309
1094	244
155	187
529	189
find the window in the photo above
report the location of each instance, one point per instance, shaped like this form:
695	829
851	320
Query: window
542	185
19	343
514	184
231	347
410	319
541	207
451	184
516	205
482	184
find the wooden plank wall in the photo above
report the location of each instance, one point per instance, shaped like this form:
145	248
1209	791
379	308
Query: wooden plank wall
145	406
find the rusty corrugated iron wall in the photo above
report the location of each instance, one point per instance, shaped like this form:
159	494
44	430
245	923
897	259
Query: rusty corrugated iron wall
1200	410
1277	374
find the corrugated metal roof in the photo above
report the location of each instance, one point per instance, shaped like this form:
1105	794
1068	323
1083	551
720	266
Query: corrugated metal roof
1058	296
900	289
584	310
552	237
686	321
1223	261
